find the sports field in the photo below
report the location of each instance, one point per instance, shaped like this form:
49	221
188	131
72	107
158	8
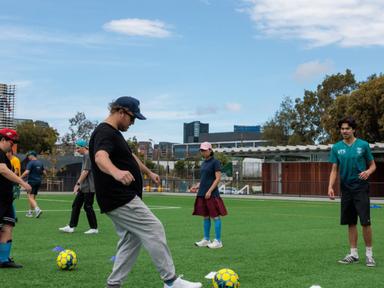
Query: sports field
269	243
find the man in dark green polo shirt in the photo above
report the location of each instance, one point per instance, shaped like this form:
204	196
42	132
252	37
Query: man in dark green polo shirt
353	158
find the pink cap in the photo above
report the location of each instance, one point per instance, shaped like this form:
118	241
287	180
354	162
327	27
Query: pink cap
205	146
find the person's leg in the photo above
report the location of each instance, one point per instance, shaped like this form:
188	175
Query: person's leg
88	207
31	202
35	192
352	235
76	207
218	228
363	207
207	228
5	242
7	217
136	218
367	234
128	249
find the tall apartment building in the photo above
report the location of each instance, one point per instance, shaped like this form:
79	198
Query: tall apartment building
7	106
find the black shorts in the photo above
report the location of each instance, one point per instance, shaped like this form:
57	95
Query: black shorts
7	214
355	203
35	188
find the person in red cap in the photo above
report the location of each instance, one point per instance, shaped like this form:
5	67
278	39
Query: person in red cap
208	202
7	214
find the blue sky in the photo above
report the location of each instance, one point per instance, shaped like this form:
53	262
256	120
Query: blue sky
222	62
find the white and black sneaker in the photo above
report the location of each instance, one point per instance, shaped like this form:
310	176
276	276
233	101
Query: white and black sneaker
202	243
370	262
349	259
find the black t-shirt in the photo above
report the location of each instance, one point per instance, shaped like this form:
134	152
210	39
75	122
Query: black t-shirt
111	194
6	186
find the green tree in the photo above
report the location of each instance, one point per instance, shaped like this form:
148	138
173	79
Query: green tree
179	169
36	137
311	111
366	105
79	128
304	121
278	129
134	145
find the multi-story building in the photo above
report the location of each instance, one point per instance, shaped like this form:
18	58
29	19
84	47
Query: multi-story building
195	133
193	130
7	106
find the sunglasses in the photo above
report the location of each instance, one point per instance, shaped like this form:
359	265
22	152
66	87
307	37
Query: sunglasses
132	117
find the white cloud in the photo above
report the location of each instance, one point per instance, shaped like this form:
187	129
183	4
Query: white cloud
233	107
309	70
23	34
346	23
138	27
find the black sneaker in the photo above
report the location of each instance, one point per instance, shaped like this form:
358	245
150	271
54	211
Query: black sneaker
10	264
349	259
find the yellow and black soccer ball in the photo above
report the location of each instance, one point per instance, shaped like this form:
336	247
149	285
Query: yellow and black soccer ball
226	278
66	260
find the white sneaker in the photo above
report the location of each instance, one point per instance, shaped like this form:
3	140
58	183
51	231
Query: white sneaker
67	229
203	243
181	283
38	213
29	215
215	244
91	231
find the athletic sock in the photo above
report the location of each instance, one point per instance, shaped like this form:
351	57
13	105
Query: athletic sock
354	252
218	229
170	281
207	228
368	252
5	251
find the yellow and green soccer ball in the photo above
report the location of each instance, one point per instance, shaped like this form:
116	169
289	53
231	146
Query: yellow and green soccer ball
66	260
226	278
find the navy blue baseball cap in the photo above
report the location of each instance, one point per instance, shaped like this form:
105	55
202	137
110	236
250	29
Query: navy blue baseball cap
132	104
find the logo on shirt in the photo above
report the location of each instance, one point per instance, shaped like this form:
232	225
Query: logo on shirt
359	150
341	151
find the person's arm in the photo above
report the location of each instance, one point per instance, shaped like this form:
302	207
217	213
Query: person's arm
10	175
371	168
154	177
82	177
25	174
332	180
214	184
105	165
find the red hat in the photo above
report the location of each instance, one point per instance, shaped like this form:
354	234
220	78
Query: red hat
9	134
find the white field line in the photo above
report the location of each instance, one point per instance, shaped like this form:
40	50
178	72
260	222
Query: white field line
155	207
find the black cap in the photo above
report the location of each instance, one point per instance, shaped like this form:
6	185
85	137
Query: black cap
132	104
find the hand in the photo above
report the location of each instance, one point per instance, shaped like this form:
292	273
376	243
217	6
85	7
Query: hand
364	175
154	177
26	186
124	177
76	189
331	193
207	195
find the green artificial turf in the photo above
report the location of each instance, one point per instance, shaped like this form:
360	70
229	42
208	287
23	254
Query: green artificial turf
269	243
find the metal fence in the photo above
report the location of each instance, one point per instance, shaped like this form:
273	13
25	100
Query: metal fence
243	187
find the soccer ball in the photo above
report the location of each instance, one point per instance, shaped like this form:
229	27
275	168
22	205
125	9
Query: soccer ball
66	260
226	278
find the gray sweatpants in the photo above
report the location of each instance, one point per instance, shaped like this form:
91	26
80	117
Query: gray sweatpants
136	225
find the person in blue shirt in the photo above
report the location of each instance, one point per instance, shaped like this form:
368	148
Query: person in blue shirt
208	202
353	158
34	171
